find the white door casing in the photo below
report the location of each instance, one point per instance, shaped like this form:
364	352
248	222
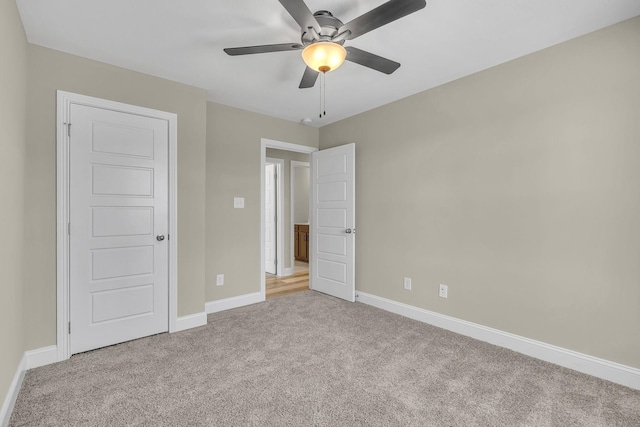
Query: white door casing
270	219
332	231
108	222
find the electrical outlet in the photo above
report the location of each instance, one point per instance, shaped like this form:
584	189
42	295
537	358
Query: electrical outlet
444	289
220	280
238	202
407	283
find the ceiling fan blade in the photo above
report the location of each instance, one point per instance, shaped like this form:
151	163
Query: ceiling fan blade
301	13
249	50
381	15
308	78
370	60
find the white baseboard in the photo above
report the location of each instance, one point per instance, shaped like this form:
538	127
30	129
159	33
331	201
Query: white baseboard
191	321
12	393
233	302
30	359
611	371
41	356
287	271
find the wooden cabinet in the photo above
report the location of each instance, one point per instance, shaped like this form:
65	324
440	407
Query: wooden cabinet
301	242
303	237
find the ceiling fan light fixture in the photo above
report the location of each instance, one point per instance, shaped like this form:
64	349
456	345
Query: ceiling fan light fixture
324	56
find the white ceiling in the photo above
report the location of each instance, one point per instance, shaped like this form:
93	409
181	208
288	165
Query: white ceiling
183	41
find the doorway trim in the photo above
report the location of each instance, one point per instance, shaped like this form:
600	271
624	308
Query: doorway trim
279	145
279	167
63	167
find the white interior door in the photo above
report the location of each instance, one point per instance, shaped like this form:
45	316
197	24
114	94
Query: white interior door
270	225
332	232
118	227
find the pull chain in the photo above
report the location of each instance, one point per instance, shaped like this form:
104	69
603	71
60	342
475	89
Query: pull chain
321	83
323	95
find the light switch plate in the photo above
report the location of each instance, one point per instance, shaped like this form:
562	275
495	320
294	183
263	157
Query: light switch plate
443	291
238	202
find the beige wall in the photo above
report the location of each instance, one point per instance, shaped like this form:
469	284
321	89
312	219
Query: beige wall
50	70
13	85
518	188
287	156
233	170
301	190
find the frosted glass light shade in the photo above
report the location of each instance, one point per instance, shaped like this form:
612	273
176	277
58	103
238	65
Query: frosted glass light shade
324	56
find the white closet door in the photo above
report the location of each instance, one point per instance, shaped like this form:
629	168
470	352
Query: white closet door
118	227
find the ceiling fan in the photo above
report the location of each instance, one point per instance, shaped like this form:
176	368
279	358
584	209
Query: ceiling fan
323	37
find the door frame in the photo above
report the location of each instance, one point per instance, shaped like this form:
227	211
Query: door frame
297	164
64	102
279	145
279	167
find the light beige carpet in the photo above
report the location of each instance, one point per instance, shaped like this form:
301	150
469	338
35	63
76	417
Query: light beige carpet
308	359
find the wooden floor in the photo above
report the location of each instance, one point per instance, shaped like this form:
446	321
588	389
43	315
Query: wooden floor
279	286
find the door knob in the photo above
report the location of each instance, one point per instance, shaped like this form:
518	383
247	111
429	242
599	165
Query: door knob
348	231
160	237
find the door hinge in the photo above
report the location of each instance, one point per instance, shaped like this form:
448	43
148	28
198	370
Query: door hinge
69	327
68	129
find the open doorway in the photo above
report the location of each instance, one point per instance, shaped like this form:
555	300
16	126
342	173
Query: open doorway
331	216
292	243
